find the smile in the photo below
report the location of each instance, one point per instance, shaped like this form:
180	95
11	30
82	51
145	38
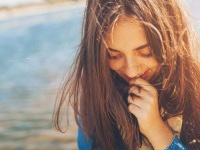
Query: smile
144	75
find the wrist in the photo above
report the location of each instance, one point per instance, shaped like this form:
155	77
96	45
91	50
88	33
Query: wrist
160	136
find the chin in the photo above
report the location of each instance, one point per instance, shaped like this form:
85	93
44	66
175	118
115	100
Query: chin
126	79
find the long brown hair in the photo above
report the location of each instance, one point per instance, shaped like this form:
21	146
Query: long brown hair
94	90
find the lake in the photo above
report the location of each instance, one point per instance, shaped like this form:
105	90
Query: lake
35	52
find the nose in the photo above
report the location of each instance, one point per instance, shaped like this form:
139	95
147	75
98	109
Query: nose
132	68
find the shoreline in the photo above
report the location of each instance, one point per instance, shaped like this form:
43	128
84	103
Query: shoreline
7	13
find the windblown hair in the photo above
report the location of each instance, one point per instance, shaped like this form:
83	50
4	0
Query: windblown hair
93	89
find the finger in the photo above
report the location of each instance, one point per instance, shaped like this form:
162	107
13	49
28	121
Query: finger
138	91
139	81
135	110
130	99
135	90
137	101
142	83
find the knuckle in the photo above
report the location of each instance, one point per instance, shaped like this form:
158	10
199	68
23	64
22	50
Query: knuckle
130	99
130	108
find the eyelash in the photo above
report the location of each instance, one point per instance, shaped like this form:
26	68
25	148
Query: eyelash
147	55
143	55
114	57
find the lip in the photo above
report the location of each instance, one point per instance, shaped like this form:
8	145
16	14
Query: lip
146	74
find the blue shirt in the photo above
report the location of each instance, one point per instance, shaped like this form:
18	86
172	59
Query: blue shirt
84	143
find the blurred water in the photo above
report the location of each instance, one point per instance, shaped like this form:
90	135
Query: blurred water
18	2
35	51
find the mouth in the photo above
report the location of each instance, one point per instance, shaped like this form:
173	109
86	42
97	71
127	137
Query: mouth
145	74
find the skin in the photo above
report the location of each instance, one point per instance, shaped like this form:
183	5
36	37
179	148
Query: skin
133	60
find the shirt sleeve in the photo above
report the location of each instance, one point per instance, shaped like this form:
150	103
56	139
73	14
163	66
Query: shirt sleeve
84	143
176	144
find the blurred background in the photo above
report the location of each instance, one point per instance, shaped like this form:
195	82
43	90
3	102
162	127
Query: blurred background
38	40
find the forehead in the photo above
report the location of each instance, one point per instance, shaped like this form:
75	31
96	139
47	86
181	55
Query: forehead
126	32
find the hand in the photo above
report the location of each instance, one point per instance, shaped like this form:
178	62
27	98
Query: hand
143	103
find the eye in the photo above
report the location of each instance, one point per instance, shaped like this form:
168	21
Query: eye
146	52
118	56
114	55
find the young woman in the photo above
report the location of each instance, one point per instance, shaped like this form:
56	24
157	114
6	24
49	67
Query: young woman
135	82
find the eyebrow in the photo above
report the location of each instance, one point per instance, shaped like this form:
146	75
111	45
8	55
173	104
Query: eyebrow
137	48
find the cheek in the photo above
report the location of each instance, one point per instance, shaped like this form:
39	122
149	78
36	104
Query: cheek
118	65
115	65
153	63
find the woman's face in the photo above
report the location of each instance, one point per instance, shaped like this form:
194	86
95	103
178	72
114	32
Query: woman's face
129	52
